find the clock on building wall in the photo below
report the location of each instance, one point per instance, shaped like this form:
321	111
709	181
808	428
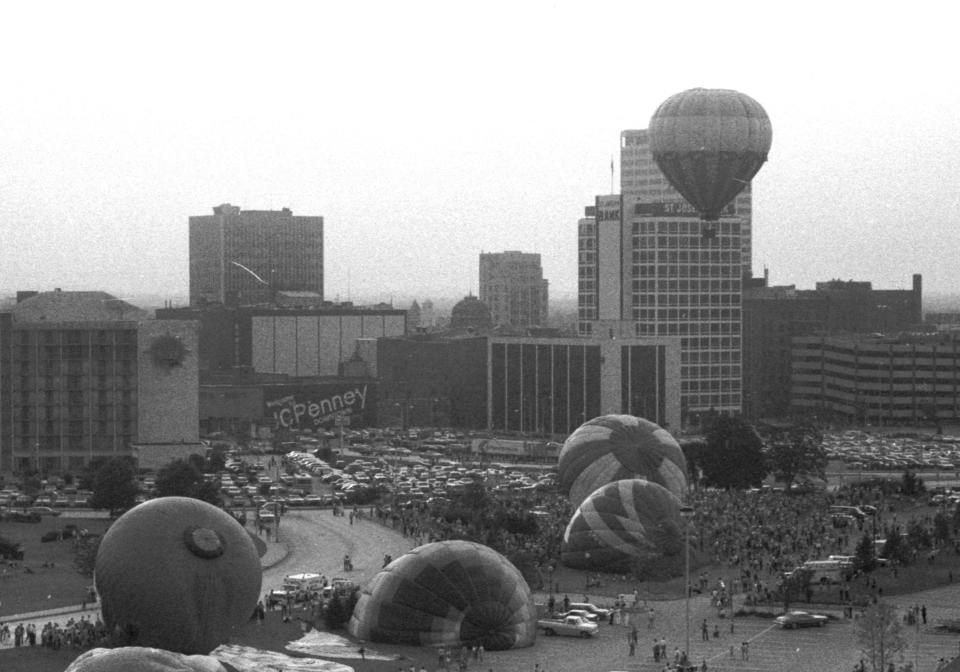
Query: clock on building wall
167	351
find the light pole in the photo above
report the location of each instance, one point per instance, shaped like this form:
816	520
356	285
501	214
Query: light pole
686	512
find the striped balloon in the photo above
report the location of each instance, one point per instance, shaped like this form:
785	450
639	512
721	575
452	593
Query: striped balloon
621	525
447	593
615	447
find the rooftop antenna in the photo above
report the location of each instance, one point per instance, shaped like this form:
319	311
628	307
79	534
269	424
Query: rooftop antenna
611	175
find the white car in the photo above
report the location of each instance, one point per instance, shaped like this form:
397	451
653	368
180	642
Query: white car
599	612
800	619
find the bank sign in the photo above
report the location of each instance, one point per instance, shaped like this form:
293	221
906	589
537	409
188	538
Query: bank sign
313	406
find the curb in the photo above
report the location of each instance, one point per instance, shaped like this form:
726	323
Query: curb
59	611
276	553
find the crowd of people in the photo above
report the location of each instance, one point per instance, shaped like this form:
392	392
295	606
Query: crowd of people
77	634
539	518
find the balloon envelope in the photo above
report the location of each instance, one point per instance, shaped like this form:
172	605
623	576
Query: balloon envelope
615	447
447	593
177	573
709	144
622	524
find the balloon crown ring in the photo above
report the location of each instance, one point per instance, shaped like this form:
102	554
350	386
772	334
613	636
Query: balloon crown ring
203	542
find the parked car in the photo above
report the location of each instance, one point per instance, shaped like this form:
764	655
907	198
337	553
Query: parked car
42	511
582	613
571	626
800	619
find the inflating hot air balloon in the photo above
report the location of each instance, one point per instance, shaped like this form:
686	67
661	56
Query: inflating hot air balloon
178	574
709	143
447	593
615	447
623	525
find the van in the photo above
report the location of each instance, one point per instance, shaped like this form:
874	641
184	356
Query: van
854	511
828	571
311	583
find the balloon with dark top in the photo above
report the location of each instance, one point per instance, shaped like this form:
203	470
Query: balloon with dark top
709	144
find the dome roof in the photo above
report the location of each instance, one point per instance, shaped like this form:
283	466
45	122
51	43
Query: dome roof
470	313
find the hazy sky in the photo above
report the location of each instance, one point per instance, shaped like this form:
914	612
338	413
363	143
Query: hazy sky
425	133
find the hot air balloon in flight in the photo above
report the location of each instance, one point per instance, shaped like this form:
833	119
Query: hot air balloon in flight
614	447
447	593
709	143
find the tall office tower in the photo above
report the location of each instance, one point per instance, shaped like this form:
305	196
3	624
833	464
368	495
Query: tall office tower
640	177
649	266
513	288
246	257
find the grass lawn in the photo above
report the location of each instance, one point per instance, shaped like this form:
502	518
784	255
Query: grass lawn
45	578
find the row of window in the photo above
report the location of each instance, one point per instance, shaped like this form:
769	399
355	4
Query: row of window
686	243
641	256
709	356
677	272
697	401
688	314
685	227
695	292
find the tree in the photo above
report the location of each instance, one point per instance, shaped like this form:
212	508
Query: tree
734	455
865	554
912	484
798	452
85	554
881	636
796	584
182	478
114	485
896	549
335	615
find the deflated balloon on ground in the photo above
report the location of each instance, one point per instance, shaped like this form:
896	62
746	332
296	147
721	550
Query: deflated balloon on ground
447	593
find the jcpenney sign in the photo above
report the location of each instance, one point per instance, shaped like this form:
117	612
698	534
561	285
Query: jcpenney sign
310	406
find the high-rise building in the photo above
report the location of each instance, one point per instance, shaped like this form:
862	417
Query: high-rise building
246	257
85	375
649	266
640	177
513	288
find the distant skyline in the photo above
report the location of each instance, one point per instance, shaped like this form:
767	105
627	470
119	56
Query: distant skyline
425	133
